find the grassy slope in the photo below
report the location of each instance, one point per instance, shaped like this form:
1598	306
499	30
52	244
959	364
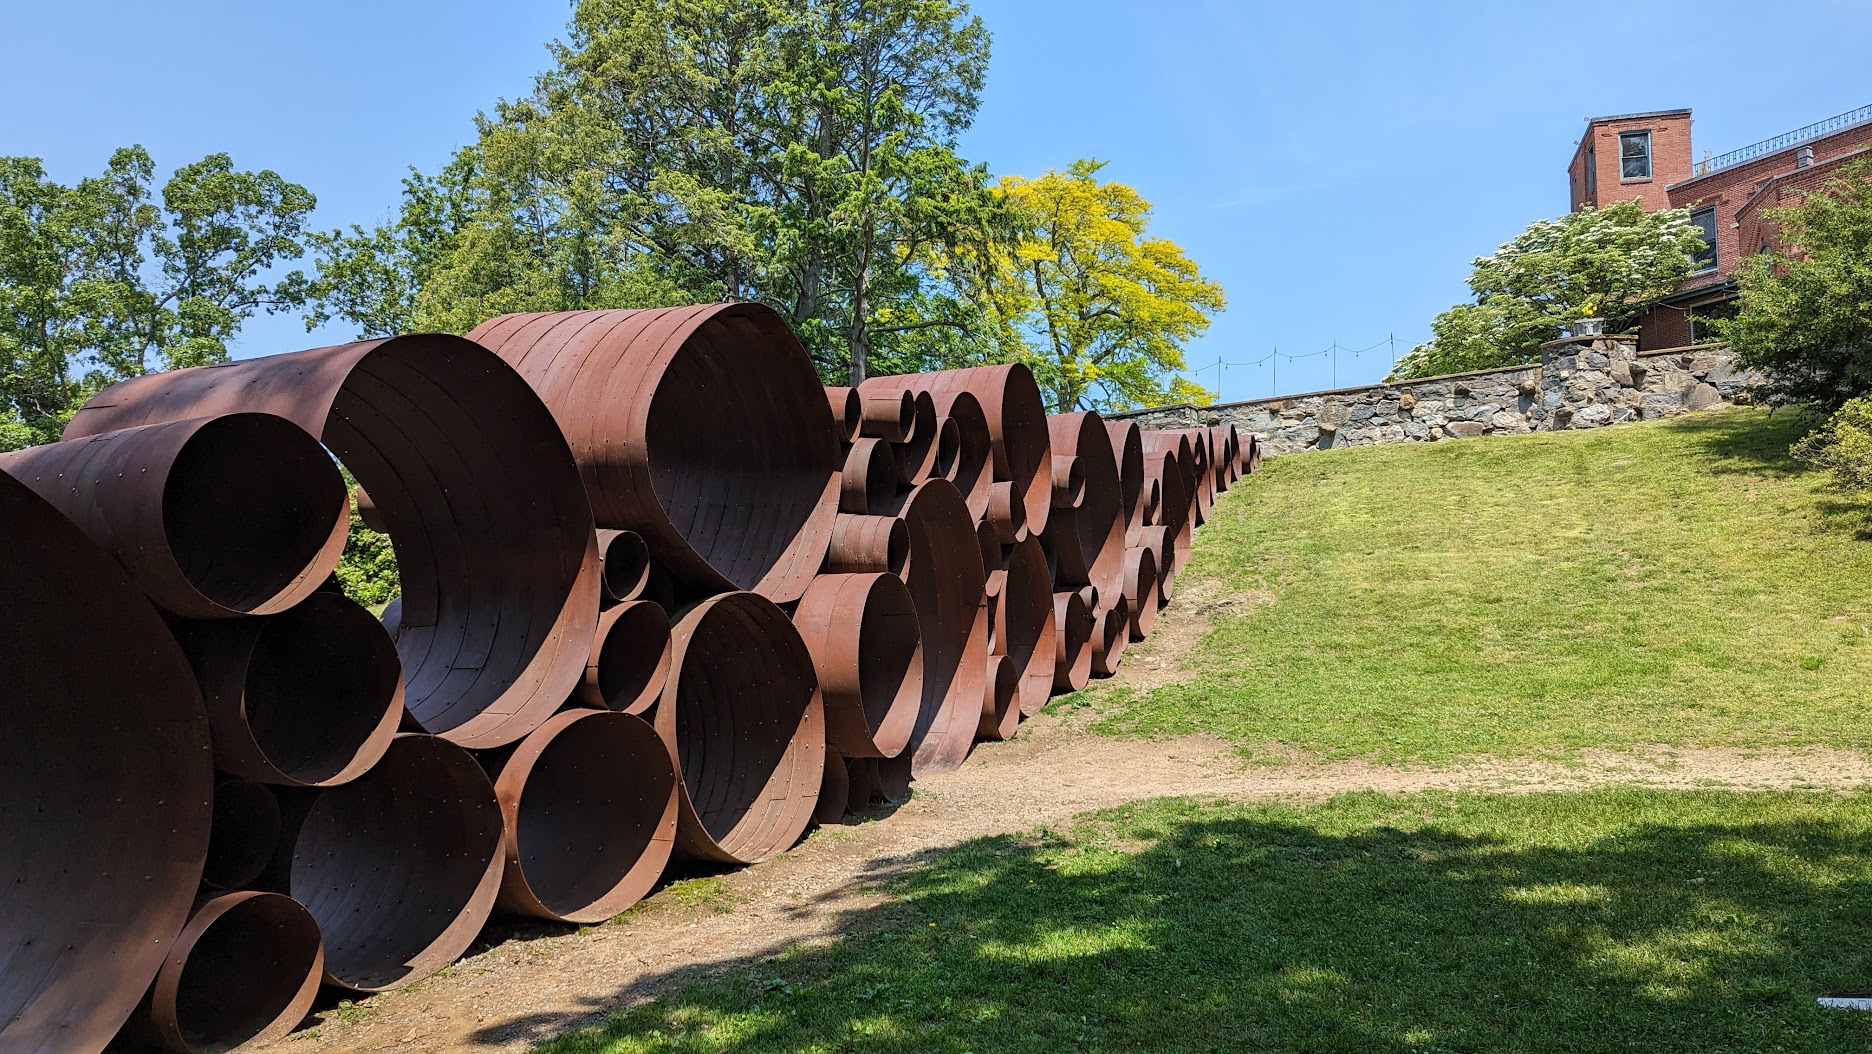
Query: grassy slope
1609	921
1673	582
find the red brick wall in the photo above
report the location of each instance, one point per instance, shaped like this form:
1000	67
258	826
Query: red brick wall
1663	327
1670	162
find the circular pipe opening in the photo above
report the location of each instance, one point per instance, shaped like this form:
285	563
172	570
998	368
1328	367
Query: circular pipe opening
866	646
630	658
862	544
835	789
250	505
887	415
1110	637
624	564
741	714
946	583
400	866
590	802
1072	659
847	410
1024	623
948	449
323	692
244	834
869	480
974	461
249	972
1140	580
1001	705
1069	481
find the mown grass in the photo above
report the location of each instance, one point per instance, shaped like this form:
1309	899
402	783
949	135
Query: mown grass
1621	920
1674	582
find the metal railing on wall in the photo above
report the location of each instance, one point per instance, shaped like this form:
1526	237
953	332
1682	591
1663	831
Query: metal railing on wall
1784	140
1275	357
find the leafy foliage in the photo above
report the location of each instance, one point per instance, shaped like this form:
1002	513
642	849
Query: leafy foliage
1842	444
1606	262
1098	308
1806	314
367	569
102	281
798	154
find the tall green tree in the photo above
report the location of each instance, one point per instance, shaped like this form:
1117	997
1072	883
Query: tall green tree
1085	295
1607	262
799	154
1806	311
107	279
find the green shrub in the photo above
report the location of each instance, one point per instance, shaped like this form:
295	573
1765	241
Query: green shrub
1843	445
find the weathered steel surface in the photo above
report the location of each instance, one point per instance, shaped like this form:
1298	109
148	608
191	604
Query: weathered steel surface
214	517
623	564
867	543
1134	504
742	715
245	969
401	866
106	780
588	802
863	634
493	534
244	834
309	697
868	483
1024	623
701	428
1141	588
1072	654
1000	714
1110	635
847	411
1093	552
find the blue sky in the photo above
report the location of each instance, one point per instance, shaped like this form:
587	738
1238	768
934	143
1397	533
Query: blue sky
1334	165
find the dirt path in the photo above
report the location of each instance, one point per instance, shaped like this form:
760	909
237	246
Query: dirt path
544	982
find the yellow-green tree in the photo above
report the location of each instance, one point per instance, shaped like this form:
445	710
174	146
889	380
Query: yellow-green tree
1098	308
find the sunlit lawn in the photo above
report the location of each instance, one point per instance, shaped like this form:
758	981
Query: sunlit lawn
1671	582
1607	921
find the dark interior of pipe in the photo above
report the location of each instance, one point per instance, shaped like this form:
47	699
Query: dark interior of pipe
631	663
740	697
388	862
319	680
888	641
594	801
244	971
245	833
626	564
250	502
740	457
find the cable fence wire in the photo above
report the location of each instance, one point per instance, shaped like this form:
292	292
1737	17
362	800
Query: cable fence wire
1275	357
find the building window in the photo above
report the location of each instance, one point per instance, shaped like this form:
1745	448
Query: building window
1592	175
1705	221
1634	149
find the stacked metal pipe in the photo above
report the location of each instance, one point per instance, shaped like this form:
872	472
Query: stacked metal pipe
663	595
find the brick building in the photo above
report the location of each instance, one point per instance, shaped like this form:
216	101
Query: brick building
1647	157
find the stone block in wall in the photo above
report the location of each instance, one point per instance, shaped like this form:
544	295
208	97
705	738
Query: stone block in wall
1508	421
1359	412
1621	371
1406	401
1702	397
1592	416
1594	360
1463	429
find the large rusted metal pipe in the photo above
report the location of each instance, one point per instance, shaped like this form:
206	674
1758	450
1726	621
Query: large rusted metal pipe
1110	636
699	428
862	632
1016	416
916	455
1006	513
624	565
400	866
835	790
742	715
1024	623
106	780
972	468
863	544
630	659
1141	588
1072	655
1128	457
1251	454
589	805
947	584
1094	552
847	411
868	482
1162	548
1173	509
889	414
245	969
494	538
1000	714
214	517
306	698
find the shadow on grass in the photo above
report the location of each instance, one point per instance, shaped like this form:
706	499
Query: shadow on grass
1755	443
1367	924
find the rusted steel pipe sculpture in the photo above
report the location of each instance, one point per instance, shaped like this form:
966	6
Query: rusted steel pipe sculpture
1163	552
1000	714
868	483
742	716
1010	401
106	774
494	538
245	969
863	544
240	514
888	413
947	584
630	659
1024	623
1141	588
699	428
973	469
866	646
1072	655
589	806
1110	635
847	411
623	565
835	790
1128	457
309	697
400	866
1094	552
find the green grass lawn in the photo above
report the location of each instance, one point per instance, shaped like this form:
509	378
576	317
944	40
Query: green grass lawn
1643	921
1673	582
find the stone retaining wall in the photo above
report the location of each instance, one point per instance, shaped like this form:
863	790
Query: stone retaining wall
1581	382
